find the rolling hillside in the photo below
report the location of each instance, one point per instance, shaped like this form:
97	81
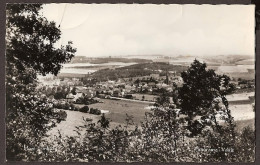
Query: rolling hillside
144	69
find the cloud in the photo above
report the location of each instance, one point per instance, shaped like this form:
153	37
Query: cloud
123	29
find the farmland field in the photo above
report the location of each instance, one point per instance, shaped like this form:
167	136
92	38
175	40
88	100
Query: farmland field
234	68
241	107
241	110
118	109
146	97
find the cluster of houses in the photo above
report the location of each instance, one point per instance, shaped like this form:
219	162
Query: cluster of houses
120	88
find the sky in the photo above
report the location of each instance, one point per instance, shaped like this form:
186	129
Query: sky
136	29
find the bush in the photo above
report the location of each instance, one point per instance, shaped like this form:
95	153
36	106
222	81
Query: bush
72	106
84	109
86	101
79	100
76	108
245	145
58	105
95	111
61	106
66	106
62	115
148	142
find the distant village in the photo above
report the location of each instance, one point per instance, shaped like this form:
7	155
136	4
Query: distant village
72	89
123	87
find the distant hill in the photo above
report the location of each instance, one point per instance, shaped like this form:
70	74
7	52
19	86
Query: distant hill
219	59
156	66
143	69
101	60
231	59
182	59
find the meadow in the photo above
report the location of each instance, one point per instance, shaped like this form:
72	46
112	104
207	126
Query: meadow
241	110
119	108
117	115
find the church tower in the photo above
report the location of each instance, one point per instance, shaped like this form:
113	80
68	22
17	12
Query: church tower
167	78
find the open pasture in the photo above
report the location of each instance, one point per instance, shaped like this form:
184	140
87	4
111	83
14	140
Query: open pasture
241	110
119	108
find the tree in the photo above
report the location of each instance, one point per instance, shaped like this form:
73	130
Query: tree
163	100
30	50
53	90
59	95
73	91
104	122
200	89
58	89
175	93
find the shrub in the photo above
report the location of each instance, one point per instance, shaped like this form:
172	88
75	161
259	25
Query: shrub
95	111
57	105
79	100
62	115
245	145
159	139
66	106
84	109
72	106
60	106
76	108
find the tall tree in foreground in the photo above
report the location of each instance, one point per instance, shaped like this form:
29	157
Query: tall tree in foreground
201	95
203	100
30	50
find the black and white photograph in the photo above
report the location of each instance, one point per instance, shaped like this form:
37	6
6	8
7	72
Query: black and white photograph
129	82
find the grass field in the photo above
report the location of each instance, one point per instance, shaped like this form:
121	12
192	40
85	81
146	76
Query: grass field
146	97
241	106
118	109
117	114
241	110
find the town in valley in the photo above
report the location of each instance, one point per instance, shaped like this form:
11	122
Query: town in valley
117	86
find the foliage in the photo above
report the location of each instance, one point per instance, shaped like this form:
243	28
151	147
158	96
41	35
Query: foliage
114	74
163	100
60	95
222	147
104	122
157	66
66	106
161	138
245	146
84	109
30	50
95	111
62	115
86	100
200	89
147	80
73	91
143	69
